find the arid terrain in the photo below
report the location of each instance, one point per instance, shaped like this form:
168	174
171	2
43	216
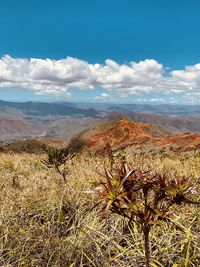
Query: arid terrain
49	214
62	120
123	134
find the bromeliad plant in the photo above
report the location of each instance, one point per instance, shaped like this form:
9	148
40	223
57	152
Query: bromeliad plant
144	197
57	158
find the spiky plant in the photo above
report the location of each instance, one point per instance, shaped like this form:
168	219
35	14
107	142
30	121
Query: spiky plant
57	158
144	197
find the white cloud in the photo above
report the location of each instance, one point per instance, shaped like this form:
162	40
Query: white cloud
57	77
103	96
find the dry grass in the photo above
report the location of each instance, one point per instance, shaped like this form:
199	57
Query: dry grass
44	222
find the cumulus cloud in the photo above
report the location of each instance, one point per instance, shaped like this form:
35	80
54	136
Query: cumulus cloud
60	77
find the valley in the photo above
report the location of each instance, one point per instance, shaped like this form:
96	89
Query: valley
62	120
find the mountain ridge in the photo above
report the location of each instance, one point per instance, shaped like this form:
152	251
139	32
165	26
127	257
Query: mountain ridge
122	134
25	120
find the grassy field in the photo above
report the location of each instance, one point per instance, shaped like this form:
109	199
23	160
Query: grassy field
45	222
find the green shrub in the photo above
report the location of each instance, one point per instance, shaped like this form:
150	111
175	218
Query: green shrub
57	158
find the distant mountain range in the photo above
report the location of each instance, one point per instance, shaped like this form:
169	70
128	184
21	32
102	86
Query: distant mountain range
158	109
61	120
44	109
20	120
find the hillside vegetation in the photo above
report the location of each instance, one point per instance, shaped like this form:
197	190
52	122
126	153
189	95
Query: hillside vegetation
28	146
46	222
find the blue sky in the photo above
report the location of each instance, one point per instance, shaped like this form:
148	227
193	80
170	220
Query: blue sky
123	31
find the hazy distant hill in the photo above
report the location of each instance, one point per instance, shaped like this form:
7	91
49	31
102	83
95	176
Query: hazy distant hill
96	109
11	129
43	109
159	109
19	120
